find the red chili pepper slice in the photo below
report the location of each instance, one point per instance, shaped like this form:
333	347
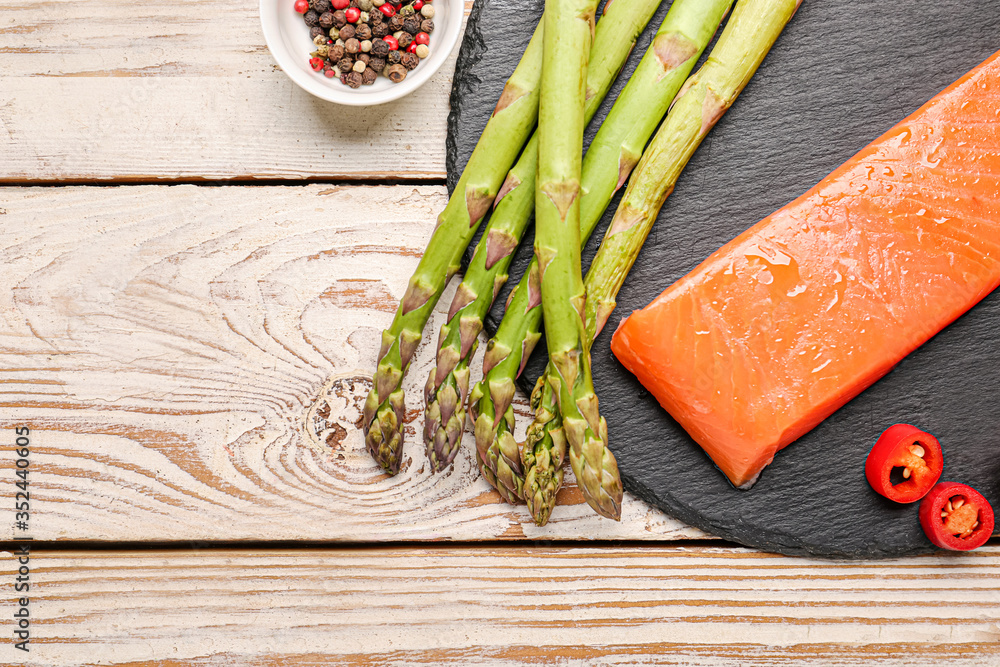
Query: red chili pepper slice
918	456
956	517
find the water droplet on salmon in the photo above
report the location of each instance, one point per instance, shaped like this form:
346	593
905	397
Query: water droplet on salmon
799	289
941	220
822	366
769	255
888	171
833	302
765	277
921	211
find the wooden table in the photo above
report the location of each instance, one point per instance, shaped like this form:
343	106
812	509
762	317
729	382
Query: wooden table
198	258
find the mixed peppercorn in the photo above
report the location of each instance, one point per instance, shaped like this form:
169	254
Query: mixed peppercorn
356	40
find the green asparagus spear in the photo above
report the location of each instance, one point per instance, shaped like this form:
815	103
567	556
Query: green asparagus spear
445	392
749	35
505	134
751	31
679	42
568	25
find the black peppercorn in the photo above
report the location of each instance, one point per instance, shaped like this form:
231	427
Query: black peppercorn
377	64
411	25
410	60
345	64
375	17
352	45
311	18
364	57
368	76
347	32
326	20
404	39
379	48
315	32
427	26
396	73
394	57
363	32
339	18
395	23
380	29
354	79
321	6
335	53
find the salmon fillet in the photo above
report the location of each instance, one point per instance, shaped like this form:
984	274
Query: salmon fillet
788	322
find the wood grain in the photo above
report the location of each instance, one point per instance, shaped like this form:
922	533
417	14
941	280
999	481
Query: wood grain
192	363
187	90
508	605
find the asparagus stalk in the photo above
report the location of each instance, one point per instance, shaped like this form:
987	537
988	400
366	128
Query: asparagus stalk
747	38
505	134
568	25
444	394
676	47
705	97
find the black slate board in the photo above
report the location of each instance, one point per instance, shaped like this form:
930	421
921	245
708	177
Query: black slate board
843	72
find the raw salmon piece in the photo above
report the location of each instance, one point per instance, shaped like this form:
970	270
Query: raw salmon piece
795	317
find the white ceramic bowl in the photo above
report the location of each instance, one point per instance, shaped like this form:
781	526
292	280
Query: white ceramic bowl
287	37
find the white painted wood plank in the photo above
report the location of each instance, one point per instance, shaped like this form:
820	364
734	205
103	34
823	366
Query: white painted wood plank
507	605
99	90
168	346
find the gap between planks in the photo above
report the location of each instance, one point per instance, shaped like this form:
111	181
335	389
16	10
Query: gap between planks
509	604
